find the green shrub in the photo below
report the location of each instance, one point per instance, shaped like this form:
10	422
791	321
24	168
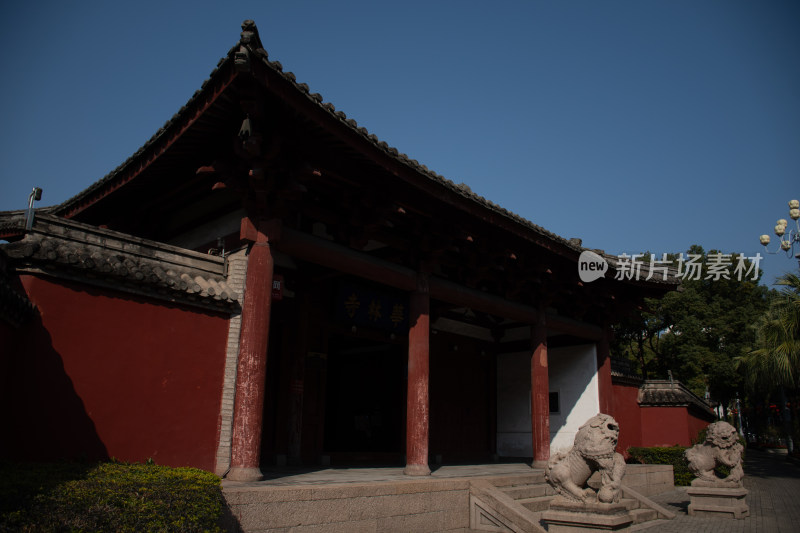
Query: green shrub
672	455
109	497
21	483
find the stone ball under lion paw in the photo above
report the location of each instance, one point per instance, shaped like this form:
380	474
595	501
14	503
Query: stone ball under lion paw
606	494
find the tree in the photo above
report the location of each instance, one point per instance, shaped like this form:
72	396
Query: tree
696	332
773	366
776	359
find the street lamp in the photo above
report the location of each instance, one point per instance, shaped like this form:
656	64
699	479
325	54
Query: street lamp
787	240
34	196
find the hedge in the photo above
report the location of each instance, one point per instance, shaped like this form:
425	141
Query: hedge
108	497
672	455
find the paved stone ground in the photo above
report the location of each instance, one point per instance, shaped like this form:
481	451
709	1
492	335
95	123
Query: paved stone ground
774	500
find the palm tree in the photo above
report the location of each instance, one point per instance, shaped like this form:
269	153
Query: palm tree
775	362
776	359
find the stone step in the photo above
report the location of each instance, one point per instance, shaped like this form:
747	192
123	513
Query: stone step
643	515
519	479
529	491
630	503
650	526
538	503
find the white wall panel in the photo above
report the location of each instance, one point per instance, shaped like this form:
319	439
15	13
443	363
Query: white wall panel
572	373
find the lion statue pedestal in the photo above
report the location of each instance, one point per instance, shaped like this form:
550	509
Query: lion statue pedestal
709	493
578	506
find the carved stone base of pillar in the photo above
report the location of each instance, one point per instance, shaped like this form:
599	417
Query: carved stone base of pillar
245	474
706	498
417	470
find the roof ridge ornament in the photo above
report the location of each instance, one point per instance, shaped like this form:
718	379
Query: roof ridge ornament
250	42
250	35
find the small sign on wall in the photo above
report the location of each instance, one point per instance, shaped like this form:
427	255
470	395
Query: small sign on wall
277	287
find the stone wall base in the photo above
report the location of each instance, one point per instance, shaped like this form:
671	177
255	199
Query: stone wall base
401	506
647	480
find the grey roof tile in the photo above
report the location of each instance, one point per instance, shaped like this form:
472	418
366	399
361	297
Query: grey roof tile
669	393
58	246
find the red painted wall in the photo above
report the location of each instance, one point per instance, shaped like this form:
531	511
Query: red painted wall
652	426
668	426
695	424
626	411
104	374
665	426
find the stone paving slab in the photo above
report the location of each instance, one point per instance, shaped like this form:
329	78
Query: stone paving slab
773	483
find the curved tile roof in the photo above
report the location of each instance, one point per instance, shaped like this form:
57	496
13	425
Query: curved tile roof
254	48
249	48
118	261
15	307
669	393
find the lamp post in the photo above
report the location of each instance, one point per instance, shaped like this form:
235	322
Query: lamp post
787	240
34	196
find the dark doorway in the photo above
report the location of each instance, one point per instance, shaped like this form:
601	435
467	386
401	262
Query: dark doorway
365	402
462	385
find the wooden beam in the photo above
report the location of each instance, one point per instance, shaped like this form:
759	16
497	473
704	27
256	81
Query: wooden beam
329	254
576	328
453	293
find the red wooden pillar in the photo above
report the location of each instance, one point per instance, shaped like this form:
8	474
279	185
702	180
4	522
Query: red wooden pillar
418	377
604	388
248	410
540	394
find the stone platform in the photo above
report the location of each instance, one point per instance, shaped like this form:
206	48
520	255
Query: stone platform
349	500
565	516
717	499
383	499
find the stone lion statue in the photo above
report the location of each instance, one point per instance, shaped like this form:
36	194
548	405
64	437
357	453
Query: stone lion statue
593	451
722	447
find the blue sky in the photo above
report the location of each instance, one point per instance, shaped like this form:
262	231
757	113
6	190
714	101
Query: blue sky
634	125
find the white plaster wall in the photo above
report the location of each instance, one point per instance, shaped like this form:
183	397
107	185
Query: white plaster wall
572	373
